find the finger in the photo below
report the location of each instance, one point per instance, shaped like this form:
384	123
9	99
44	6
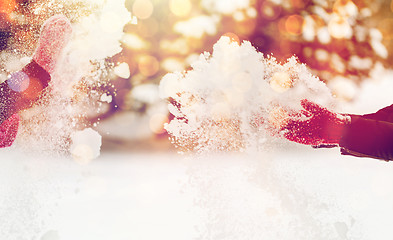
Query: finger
310	106
314	108
55	34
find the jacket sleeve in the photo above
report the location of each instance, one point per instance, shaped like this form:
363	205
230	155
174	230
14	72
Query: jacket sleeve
369	135
22	89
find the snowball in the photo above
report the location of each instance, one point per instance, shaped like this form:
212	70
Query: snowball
219	104
106	98
86	145
122	70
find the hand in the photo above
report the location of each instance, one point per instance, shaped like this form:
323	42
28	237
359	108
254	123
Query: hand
315	126
55	34
8	131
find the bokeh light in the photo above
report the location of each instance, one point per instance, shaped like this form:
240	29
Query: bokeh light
180	8
293	24
148	65
18	81
142	9
7	6
157	122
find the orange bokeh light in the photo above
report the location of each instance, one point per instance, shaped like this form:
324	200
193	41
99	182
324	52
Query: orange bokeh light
7	6
34	89
293	24
270	11
391	5
142	9
148	66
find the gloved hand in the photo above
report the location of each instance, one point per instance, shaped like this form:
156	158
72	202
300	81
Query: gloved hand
8	131
315	125
55	34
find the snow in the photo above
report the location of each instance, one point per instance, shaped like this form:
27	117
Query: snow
86	145
299	193
106	98
83	63
216	104
122	70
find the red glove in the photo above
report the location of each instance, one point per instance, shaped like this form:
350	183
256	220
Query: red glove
317	126
8	131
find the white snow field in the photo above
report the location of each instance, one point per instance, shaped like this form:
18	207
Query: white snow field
290	193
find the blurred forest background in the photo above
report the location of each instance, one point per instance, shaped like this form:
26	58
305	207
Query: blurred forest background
343	42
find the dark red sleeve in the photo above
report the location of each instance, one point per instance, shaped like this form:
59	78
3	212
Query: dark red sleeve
369	135
14	98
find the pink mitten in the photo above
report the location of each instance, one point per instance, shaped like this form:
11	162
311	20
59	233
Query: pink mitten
8	131
55	34
318	126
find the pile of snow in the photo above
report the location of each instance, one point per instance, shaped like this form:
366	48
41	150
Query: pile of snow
224	102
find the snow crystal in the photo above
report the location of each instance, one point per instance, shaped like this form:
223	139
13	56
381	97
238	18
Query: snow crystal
222	102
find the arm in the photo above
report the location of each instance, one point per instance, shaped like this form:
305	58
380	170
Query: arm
369	135
385	114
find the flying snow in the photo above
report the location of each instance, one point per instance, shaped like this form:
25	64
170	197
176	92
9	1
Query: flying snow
62	111
231	97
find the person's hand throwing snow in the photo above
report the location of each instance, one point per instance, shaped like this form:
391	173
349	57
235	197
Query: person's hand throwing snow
369	135
23	88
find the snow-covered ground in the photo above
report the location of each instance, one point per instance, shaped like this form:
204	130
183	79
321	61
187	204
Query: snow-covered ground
289	193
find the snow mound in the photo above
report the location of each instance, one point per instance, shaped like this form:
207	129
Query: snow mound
225	102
